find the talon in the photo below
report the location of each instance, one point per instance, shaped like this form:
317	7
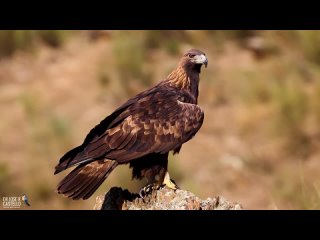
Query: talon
142	193
174	182
169	182
146	190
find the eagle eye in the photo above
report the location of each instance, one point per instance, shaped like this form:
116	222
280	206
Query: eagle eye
191	55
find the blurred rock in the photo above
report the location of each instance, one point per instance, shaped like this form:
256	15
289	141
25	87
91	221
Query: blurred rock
232	161
260	47
162	199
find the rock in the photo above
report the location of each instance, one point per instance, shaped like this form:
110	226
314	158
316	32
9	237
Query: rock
162	199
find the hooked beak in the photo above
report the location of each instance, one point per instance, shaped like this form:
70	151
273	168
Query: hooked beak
201	59
206	63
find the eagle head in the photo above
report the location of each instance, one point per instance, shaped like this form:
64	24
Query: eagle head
186	74
194	59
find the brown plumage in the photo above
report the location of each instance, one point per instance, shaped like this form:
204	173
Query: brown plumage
141	132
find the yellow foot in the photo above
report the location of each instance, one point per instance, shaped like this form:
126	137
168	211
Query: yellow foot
169	182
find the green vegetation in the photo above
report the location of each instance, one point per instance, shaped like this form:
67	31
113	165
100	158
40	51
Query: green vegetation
168	40
291	104
129	55
308	42
12	40
54	38
298	191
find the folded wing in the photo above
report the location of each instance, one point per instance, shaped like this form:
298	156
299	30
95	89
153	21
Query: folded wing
155	123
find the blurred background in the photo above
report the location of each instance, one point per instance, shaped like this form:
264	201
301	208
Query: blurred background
260	141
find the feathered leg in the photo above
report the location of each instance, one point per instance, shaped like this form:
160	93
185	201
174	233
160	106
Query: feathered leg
154	167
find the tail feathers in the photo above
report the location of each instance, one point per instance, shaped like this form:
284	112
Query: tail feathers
84	180
74	157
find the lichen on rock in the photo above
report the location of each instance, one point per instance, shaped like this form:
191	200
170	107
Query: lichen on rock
162	199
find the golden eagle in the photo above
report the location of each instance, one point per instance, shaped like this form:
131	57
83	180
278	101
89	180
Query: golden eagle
141	132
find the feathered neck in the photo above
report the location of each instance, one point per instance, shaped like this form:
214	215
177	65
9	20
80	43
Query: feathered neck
185	78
